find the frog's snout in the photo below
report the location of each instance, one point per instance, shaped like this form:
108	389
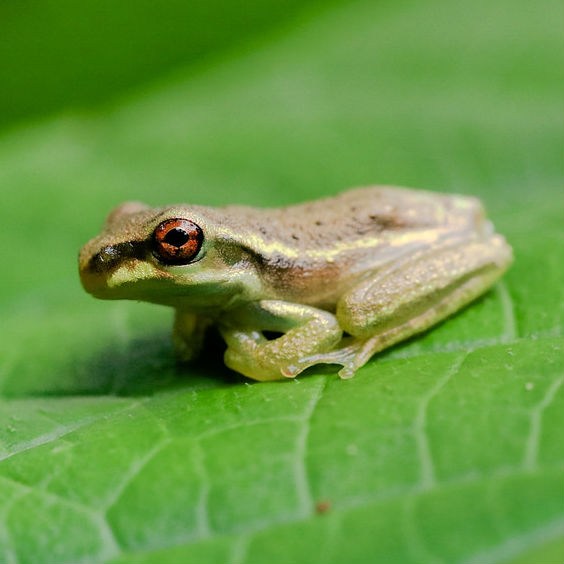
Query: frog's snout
111	256
96	267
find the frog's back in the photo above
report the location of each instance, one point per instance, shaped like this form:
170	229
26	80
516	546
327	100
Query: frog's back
310	252
357	213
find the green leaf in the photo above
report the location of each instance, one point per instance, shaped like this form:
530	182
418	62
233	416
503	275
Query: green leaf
448	448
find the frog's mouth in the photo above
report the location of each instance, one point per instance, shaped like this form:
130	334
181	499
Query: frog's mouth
131	280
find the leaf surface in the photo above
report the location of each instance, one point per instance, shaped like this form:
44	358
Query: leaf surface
448	448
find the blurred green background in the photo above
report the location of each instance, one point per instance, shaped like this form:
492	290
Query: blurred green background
56	55
448	448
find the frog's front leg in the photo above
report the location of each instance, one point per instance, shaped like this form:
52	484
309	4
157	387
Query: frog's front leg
306	331
188	334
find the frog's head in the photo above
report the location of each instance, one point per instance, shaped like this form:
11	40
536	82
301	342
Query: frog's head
174	256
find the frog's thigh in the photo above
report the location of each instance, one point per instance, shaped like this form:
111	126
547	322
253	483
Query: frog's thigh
397	302
306	331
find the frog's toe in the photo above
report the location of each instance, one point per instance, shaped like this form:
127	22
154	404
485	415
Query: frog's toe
291	370
347	372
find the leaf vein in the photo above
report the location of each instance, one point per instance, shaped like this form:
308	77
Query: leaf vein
63	431
303	488
533	439
427	478
510	330
202	514
134	470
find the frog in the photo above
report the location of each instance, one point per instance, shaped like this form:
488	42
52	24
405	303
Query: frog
330	281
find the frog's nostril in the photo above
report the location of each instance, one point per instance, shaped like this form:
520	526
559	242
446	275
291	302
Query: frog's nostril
111	256
104	259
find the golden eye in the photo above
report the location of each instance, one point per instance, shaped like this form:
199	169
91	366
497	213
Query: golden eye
177	241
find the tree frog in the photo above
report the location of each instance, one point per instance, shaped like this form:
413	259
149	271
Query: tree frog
330	281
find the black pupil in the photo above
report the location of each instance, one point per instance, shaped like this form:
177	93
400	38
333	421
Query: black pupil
176	237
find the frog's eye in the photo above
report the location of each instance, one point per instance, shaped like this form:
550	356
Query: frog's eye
177	241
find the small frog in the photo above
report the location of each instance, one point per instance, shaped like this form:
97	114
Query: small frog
336	280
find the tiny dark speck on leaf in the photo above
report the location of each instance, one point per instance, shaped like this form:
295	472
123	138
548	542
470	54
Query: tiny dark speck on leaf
322	506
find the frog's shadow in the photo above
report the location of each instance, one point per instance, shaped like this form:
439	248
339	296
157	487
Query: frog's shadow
147	365
141	366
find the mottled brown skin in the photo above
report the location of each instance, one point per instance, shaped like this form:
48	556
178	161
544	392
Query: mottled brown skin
316	229
354	262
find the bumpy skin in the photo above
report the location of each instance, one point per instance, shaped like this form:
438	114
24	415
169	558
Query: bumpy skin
378	263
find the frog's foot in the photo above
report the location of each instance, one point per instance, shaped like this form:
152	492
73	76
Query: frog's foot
252	358
347	354
248	358
243	355
306	331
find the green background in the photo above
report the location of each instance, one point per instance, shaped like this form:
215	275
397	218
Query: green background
448	448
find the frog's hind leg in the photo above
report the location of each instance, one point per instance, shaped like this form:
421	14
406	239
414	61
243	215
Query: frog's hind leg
398	302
